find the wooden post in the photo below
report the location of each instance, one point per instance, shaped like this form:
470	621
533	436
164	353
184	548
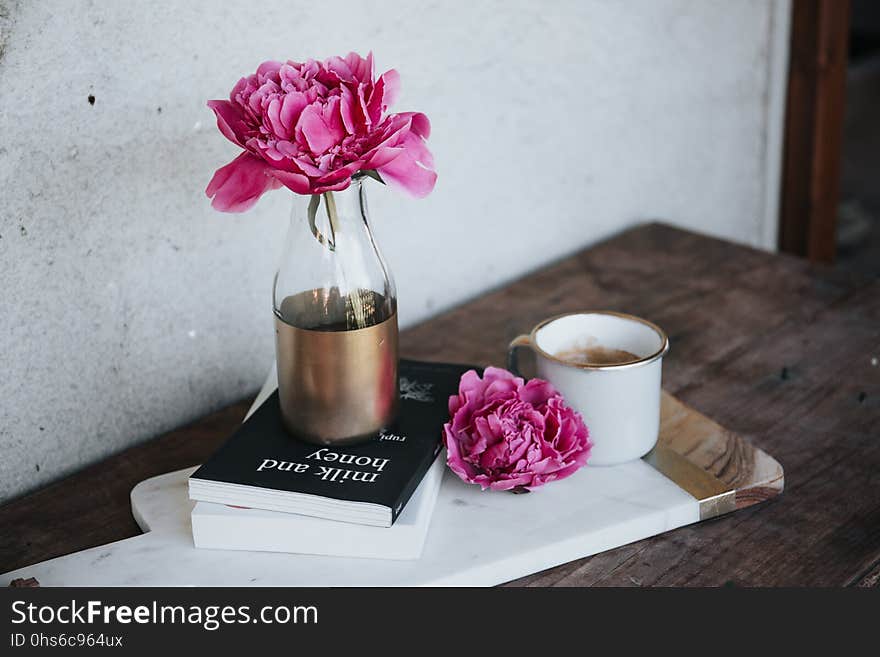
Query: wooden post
814	128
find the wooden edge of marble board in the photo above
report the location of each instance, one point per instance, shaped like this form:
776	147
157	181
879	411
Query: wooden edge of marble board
722	470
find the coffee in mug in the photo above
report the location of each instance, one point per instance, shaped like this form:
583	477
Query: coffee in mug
607	365
596	355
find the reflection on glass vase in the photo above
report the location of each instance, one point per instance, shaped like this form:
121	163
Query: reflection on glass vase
335	322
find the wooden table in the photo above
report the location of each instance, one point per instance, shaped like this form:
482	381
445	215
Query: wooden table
782	352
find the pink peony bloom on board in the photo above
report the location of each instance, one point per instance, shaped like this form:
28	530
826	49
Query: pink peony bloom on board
506	434
311	126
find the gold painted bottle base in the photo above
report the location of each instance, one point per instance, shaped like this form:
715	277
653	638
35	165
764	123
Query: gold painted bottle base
340	386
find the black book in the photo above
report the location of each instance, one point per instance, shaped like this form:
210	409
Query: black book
262	466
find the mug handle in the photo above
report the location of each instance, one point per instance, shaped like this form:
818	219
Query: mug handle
513	352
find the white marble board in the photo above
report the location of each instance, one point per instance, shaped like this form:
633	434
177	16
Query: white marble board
476	537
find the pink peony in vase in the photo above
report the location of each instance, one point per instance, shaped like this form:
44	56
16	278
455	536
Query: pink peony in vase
321	129
312	126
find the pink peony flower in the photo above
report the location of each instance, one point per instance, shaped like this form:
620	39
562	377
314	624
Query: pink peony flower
505	434
311	126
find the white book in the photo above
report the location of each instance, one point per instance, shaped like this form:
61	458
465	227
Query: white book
230	528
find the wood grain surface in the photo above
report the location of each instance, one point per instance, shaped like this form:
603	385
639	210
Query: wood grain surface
781	352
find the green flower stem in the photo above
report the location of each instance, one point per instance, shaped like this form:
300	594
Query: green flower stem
356	306
332	217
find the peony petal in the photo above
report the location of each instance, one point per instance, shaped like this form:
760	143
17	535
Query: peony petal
492	373
289	75
360	114
362	69
240	87
307	167
332	118
506	484
296	182
369	66
272	155
454	459
342	173
384	94
391	87
392	132
273	114
346	111
355	64
381	156
320	188
470	380
419	123
313	129
340	68
238	185
291	108
229	121
538	392
268	68
286	148
406	174
519	451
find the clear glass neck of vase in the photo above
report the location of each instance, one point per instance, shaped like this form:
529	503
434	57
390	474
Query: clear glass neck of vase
332	276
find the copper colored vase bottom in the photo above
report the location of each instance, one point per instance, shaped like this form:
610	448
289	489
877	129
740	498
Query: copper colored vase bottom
337	386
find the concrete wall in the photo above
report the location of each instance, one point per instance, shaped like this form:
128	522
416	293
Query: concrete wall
128	306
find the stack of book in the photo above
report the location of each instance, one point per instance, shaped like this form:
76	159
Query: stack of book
265	490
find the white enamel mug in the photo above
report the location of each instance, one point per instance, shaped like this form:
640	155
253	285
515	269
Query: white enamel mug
620	403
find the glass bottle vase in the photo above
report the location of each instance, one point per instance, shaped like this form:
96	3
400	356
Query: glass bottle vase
335	322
